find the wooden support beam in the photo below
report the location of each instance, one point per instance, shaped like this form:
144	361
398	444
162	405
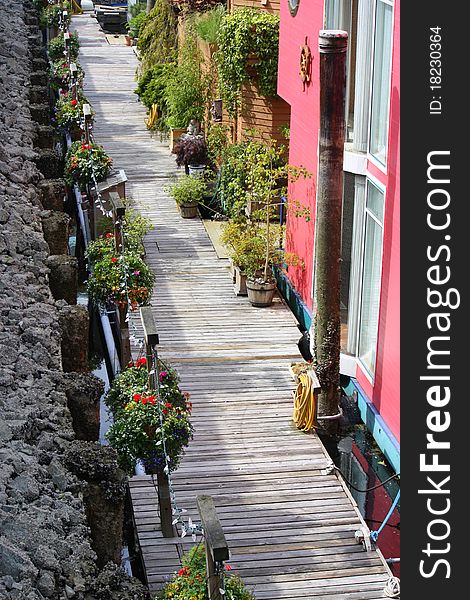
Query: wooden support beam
163	489
216	546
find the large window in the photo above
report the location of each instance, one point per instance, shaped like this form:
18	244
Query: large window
381	80
371	275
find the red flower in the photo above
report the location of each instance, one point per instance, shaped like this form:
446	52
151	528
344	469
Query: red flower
136	397
73	102
168	405
228	568
151	399
109	235
114	260
141	362
184	572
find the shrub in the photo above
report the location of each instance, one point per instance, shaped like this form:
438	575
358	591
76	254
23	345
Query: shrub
158	35
190	581
188	190
136	23
191	150
83	161
51	14
185	89
207	26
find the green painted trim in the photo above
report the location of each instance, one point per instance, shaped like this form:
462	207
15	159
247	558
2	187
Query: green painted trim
293	300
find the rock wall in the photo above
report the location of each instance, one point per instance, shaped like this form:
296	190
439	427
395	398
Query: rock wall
45	542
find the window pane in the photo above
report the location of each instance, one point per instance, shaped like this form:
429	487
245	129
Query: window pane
381	82
375	201
370	299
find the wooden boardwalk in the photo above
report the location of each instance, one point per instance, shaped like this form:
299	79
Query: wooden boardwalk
290	528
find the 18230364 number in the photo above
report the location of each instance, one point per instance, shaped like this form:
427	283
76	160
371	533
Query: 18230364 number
435	59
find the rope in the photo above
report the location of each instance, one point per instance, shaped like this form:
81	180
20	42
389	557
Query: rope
304	404
371	489
392	588
375	534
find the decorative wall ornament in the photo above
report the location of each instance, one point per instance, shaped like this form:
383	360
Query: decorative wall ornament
293	6
305	63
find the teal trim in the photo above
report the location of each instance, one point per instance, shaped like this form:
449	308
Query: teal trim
385	439
293	300
369	414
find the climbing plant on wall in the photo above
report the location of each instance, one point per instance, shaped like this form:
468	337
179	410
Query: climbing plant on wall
248	50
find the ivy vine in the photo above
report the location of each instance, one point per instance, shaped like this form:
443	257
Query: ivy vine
247	38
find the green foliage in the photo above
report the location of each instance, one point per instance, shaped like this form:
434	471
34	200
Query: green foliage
59	74
136	23
188	190
136	432
185	89
83	161
121	279
151	90
233	180
56	47
208	24
217	142
247	33
68	110
158	36
190	581
50	15
138	8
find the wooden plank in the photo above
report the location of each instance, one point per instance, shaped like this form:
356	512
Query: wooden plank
289	528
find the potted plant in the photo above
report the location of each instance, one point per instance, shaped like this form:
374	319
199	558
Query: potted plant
190	582
68	112
85	161
60	75
56	47
141	419
187	193
191	152
257	249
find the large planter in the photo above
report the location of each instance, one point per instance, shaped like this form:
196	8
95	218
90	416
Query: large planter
239	284
260	294
188	211
175	134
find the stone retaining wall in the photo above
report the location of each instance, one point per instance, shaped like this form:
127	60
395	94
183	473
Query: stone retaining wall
45	542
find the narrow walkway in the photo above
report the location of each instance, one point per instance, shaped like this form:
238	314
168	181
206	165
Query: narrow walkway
290	528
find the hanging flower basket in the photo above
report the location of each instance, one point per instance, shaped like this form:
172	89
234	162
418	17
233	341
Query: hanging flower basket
85	161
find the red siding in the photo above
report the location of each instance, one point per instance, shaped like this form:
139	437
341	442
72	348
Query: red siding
384	392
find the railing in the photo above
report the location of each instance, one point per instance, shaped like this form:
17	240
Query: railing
163	488
217	551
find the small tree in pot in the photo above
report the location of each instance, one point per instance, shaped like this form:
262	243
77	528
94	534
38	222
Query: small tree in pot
257	250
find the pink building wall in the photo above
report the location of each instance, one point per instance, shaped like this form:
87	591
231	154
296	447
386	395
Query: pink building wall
384	392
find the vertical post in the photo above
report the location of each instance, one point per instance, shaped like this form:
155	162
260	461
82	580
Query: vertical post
332	46
118	211
216	546
151	341
150	5
87	118
73	79
67	45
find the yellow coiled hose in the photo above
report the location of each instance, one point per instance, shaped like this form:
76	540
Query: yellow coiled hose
152	117
304	404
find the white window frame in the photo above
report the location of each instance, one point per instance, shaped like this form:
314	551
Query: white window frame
364	368
373	159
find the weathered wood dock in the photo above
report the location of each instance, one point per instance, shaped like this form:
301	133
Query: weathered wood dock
290	528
